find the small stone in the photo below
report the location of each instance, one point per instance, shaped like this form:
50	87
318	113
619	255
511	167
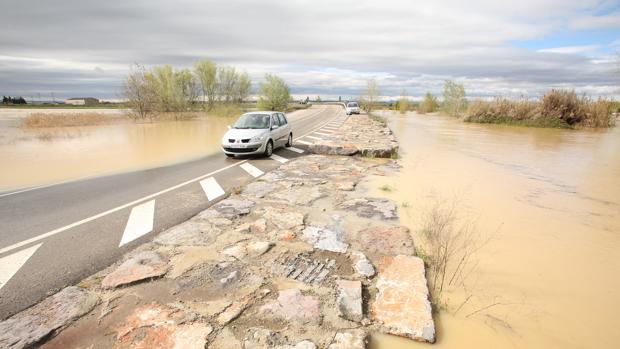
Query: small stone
305	344
293	305
350	299
325	239
29	327
362	265
144	265
232	207
248	249
349	339
231	277
402	303
345	185
386	241
260	338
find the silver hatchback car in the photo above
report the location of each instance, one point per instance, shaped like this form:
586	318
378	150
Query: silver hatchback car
258	132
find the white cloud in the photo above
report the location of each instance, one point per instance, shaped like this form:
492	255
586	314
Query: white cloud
571	49
320	46
611	20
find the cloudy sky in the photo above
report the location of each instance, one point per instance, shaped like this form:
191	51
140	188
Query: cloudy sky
320	47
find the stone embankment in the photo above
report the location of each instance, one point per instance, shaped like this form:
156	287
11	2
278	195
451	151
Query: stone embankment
359	135
300	258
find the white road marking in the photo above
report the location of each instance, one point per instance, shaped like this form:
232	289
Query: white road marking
140	222
252	170
329	128
10	264
296	150
212	188
129	204
115	209
322	133
312	137
278	158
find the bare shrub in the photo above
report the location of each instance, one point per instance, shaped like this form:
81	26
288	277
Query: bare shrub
139	92
454	100
448	248
370	96
403	102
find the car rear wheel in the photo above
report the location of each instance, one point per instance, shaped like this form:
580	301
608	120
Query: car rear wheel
269	148
289	143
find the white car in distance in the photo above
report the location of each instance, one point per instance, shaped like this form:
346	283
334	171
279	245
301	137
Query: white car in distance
352	108
258	132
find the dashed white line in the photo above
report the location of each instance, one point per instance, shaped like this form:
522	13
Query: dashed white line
296	150
303	142
252	170
112	210
212	188
322	133
278	158
10	264
140	222
317	138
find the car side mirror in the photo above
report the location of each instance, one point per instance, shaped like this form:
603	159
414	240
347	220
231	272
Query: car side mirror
275	127
229	127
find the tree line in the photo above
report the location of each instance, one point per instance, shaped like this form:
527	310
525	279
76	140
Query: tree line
164	89
13	100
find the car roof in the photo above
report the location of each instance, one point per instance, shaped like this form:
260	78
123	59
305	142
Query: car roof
262	112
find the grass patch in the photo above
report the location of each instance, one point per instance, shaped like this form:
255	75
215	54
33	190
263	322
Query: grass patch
39	120
386	188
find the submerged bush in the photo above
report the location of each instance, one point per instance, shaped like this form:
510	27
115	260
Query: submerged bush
429	104
557	108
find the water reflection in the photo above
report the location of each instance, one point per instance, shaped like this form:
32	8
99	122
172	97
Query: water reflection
50	155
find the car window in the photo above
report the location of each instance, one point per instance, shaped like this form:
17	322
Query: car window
352	105
275	120
254	121
282	119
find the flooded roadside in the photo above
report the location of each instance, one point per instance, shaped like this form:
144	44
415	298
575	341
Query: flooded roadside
33	157
551	201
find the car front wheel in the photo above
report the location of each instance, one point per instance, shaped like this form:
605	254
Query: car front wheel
289	143
269	148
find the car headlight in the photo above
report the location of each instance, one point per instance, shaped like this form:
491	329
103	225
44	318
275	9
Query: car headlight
258	138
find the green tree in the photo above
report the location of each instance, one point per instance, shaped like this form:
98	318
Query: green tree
206	72
318	99
243	87
453	98
429	104
274	94
227	83
403	102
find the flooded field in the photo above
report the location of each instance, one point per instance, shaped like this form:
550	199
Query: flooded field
549	199
35	157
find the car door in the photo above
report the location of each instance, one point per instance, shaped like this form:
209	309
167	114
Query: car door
276	130
286	128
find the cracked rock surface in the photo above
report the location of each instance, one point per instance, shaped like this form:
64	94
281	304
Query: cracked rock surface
301	258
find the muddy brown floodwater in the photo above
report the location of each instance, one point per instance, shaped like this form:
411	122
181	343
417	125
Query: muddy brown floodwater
49	155
550	199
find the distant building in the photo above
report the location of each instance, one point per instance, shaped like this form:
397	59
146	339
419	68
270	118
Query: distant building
82	101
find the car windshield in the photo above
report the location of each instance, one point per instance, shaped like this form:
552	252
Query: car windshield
352	105
254	121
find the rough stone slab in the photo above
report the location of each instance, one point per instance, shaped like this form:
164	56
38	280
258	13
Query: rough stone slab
225	340
156	326
293	305
302	195
402	303
262	338
189	233
284	219
371	207
386	241
362	265
233	207
258	226
325	239
349	339
350	299
248	249
144	265
259	189
32	325
327	147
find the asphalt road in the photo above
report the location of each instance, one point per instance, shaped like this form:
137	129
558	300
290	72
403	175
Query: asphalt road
54	236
